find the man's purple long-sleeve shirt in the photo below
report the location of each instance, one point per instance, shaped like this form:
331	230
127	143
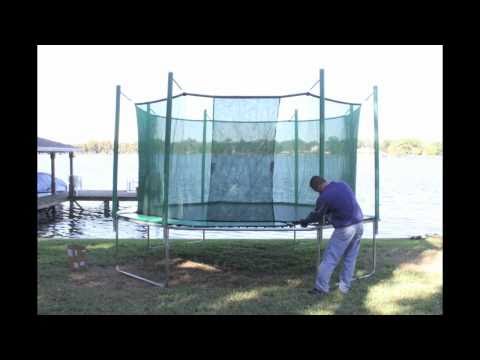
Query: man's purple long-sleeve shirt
338	202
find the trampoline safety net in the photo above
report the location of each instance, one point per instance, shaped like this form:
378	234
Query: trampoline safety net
242	159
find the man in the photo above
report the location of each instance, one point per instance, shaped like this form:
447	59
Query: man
337	201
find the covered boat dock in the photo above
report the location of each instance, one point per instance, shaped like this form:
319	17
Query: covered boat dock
53	198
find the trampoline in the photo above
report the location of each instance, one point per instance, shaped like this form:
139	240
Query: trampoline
239	163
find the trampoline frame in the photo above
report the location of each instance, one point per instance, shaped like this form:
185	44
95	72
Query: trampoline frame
288	227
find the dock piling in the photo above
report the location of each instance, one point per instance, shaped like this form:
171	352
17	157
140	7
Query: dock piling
106	207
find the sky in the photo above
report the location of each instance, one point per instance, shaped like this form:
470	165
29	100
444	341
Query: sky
76	84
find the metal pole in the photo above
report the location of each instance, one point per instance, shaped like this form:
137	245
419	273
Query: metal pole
374	251
353	132
204	147
117	268
296	156
203	235
139	277
321	148
374	256
377	159
167	175
319	244
166	170
167	255
115	220
115	158
150	127
148	237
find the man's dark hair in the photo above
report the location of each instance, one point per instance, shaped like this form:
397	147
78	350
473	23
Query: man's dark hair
315	181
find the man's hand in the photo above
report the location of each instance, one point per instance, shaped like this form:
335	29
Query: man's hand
301	222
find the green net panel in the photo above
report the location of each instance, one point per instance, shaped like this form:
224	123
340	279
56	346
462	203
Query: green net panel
242	159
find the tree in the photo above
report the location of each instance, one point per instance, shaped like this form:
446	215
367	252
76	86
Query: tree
433	149
385	145
406	147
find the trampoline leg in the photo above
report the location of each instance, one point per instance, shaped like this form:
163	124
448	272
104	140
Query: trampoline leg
117	268
319	244
148	237
116	237
167	255
374	252
374	257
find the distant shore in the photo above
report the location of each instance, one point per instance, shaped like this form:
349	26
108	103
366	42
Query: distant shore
399	147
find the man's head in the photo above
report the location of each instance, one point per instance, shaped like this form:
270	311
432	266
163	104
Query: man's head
318	183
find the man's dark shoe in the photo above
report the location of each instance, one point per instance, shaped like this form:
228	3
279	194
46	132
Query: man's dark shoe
317	292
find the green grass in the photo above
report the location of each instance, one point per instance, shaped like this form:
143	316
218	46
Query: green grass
237	277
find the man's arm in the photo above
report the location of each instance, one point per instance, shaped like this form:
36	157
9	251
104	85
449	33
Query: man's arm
318	213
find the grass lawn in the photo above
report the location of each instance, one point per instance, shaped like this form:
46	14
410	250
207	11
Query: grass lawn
237	277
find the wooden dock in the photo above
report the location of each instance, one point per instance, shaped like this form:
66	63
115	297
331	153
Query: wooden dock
45	202
103	195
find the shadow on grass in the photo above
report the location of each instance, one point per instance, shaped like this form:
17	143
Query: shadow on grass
391	282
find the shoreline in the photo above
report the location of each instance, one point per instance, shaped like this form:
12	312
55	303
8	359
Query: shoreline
360	152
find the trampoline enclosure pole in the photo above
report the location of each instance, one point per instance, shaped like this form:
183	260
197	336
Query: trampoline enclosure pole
115	159
166	174
353	137
321	147
204	148
377	158
296	156
166	170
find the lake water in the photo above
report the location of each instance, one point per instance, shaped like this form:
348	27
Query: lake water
410	198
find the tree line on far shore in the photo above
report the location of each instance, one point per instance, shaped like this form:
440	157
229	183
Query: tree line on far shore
106	147
391	147
405	147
